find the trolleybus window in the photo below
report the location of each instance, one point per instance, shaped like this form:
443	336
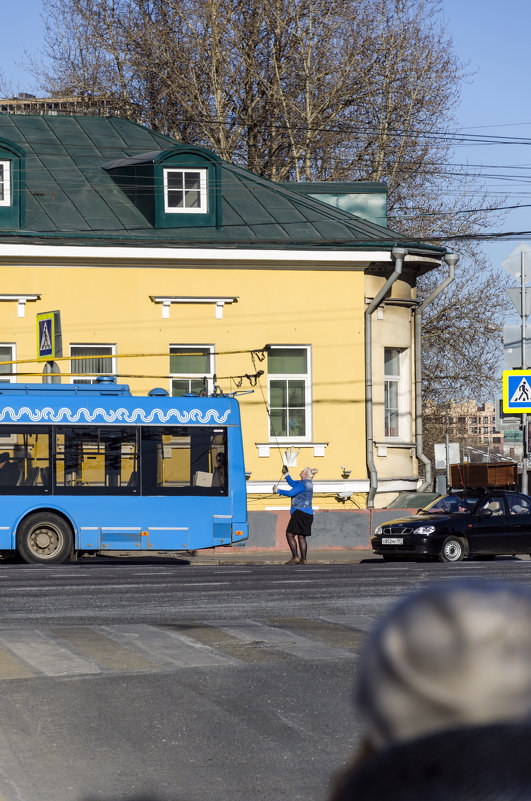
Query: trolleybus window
184	460
24	459
105	459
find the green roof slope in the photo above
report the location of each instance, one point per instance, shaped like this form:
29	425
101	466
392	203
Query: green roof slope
70	196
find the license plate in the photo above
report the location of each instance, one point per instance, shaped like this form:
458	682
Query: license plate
392	540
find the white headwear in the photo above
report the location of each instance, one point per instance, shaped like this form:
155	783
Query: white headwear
447	657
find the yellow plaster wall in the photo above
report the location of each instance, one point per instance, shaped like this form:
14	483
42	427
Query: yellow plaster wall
322	308
281	306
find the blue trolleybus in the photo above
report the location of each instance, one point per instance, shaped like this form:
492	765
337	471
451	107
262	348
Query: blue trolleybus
90	467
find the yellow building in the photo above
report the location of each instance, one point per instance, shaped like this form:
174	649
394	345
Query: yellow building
171	268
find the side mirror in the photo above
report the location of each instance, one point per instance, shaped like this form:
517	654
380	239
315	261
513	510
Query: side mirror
486	513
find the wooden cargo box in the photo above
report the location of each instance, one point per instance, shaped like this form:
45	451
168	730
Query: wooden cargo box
486	474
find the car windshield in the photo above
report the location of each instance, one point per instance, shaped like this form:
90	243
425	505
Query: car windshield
452	504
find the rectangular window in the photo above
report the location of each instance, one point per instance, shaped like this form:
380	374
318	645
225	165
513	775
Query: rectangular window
397	389
5	183
289	393
391	390
90	361
96	459
7	354
184	460
191	369
24	460
185	191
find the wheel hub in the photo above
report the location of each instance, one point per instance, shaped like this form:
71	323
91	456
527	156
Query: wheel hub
44	541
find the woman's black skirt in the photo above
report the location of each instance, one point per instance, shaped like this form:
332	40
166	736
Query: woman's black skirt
300	523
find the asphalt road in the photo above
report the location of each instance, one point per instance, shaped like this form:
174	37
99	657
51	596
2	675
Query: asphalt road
136	680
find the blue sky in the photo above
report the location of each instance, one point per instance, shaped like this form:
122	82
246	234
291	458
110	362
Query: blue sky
492	38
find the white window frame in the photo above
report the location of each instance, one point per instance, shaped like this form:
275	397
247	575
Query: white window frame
403	381
307	378
6	182
9	379
203	195
195	376
90	378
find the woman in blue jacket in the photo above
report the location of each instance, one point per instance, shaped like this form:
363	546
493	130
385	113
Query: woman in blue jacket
300	524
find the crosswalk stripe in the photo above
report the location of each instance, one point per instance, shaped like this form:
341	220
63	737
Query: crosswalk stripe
330	632
166	647
287	641
106	652
98	650
43	653
364	623
12	668
222	641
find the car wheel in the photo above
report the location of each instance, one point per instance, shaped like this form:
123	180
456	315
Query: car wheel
453	550
44	538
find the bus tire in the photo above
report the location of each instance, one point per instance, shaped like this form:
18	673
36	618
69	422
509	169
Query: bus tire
44	539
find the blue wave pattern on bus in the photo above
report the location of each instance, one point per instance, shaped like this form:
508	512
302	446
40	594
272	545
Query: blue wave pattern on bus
121	415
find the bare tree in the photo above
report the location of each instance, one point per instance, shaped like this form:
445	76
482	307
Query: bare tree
308	90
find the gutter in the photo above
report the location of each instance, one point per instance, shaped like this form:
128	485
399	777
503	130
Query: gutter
451	259
398	255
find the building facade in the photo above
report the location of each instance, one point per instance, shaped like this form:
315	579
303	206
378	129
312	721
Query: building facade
172	268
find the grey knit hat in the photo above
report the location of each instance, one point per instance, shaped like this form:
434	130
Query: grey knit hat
447	657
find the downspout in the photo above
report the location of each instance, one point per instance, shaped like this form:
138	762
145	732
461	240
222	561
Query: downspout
398	255
451	259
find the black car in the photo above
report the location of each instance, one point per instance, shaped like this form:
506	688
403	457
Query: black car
478	523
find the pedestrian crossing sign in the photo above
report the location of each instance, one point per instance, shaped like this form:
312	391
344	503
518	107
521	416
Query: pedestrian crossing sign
49	340
517	391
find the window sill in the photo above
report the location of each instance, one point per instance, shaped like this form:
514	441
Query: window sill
264	448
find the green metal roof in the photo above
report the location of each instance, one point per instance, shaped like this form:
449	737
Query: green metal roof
71	196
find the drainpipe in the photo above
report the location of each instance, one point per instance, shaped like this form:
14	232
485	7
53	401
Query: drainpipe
451	259
398	255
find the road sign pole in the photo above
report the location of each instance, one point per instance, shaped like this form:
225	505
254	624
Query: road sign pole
524	367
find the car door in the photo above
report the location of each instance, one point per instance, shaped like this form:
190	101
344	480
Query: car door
519	508
490	532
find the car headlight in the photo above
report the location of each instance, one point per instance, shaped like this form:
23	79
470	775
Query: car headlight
424	530
378	531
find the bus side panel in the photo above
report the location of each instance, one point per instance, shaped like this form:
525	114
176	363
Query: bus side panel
159	523
237	483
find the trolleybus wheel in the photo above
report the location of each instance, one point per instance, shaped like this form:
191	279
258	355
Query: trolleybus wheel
44	538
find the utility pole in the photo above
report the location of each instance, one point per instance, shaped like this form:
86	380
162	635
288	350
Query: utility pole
524	367
516	265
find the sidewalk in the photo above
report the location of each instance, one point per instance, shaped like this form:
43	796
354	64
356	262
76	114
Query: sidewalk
335	556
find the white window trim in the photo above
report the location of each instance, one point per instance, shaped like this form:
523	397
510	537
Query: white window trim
218	302
203	196
308	386
89	377
404	398
7	183
11	379
194	376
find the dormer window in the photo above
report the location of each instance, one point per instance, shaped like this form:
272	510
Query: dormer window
5	183
185	191
175	188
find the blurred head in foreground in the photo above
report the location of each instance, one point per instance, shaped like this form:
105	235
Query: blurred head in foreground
444	697
446	657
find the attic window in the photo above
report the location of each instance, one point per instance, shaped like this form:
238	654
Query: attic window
185	191
5	183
